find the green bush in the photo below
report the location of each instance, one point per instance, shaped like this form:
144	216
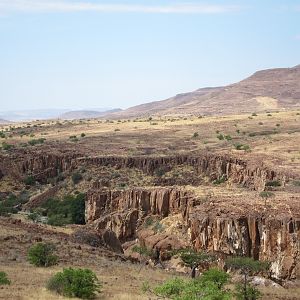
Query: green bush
195	289
6	146
195	135
83	135
36	141
2	135
41	255
4	279
76	177
216	276
239	146
220	136
12	204
80	283
274	183
220	180
29	180
69	210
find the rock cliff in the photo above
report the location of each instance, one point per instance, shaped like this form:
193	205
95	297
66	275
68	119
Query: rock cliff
254	234
44	165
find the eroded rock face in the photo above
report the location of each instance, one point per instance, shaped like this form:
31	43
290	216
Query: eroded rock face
271	239
123	211
239	171
44	165
275	239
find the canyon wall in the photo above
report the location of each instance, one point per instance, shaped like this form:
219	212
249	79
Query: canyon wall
42	166
124	211
275	239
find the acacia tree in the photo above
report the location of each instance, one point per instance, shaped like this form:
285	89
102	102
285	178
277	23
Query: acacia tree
248	266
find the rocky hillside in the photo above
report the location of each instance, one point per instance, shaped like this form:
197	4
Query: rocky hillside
267	90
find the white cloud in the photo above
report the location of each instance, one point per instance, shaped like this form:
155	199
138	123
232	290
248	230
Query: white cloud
82	6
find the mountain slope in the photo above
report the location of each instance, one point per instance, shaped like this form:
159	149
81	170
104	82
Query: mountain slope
272	89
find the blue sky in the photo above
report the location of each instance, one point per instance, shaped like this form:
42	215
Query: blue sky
91	54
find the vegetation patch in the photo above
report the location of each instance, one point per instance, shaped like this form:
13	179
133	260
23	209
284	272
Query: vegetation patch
69	210
4	279
41	255
80	283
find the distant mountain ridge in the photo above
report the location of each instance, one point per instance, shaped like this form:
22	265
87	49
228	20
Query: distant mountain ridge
86	114
2	121
271	89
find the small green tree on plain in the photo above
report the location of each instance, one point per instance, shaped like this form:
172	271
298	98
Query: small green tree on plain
41	255
80	283
248	266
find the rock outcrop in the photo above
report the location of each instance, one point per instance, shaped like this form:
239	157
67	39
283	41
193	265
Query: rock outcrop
45	165
247	173
275	239
123	211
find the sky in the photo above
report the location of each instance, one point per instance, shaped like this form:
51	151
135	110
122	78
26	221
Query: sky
85	54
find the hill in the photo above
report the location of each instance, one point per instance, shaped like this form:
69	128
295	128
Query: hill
86	114
266	90
2	121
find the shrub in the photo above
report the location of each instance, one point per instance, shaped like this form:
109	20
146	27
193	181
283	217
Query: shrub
83	135
36	141
266	194
239	146
247	292
6	146
248	266
273	183
80	283
220	180
69	210
76	177
12	204
29	180
2	135
220	136
160	172
117	129
41	255
4	279
228	137
194	289
195	135
216	276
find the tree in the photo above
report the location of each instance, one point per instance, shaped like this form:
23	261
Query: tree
80	283
41	255
248	266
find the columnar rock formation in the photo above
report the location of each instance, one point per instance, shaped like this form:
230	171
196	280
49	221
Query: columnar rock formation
265	238
123	211
273	239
